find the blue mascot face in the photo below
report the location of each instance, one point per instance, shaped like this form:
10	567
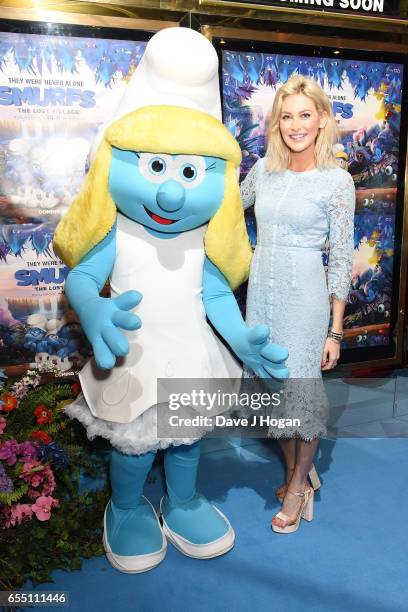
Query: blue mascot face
168	194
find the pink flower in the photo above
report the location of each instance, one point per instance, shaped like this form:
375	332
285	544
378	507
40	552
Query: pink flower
15	514
42	507
27	474
33	494
6	512
19	512
27	450
49	481
26	510
36	479
8	451
3	423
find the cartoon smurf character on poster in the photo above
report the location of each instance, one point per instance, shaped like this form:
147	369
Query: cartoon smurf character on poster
160	215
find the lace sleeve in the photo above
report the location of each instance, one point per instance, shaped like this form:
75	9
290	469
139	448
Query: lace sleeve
247	187
341	237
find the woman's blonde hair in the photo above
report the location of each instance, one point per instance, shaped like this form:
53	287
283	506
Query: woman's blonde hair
161	129
278	153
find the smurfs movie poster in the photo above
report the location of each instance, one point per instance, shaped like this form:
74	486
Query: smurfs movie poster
37	327
55	92
366	99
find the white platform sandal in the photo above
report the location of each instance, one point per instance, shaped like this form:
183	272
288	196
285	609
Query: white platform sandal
305	512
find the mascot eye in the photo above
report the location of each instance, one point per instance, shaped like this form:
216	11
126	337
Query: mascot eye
359	338
388	170
157	166
191	170
380	307
188	172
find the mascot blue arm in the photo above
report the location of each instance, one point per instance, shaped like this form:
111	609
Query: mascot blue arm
251	345
101	317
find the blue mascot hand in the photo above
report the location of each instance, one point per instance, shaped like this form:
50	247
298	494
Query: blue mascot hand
100	319
263	357
250	344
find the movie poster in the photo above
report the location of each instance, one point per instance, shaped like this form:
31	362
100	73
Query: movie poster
55	92
366	99
37	327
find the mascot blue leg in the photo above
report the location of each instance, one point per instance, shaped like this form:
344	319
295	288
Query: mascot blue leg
133	539
196	527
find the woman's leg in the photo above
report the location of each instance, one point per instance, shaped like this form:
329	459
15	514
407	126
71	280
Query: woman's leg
305	452
288	449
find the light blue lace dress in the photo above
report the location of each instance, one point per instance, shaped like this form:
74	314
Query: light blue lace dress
295	213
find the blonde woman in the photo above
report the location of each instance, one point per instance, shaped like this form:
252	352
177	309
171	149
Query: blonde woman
301	196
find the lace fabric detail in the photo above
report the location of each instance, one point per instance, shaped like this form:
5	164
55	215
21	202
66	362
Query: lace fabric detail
248	187
303	401
341	237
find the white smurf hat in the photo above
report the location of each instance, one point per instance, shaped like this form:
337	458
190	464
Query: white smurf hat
179	68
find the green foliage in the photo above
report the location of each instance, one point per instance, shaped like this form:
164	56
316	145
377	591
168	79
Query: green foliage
48	395
23	420
11	498
34	549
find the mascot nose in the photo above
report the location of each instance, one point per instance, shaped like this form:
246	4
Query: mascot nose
170	196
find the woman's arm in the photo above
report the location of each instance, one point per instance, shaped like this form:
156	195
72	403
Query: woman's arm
341	240
338	307
248	186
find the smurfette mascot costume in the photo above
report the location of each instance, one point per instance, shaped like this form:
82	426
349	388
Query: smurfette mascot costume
159	214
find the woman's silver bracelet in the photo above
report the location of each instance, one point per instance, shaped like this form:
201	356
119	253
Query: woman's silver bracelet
336	336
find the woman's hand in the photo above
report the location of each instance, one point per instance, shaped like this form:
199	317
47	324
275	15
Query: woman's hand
331	354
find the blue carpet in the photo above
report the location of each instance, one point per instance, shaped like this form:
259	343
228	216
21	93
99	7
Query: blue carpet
352	557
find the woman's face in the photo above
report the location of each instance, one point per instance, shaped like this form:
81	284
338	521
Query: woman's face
299	122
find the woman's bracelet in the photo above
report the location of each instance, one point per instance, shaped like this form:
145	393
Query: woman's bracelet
336	336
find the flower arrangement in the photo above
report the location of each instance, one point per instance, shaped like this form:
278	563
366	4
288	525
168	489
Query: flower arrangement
47	520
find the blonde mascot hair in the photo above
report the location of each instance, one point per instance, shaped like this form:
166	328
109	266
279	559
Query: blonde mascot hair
161	129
